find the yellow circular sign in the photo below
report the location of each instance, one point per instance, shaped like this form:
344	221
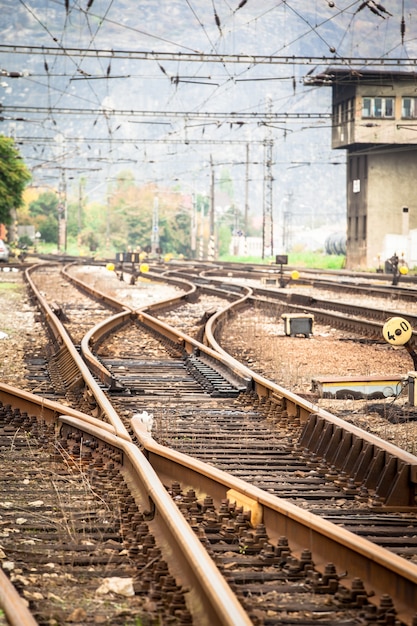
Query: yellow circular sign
403	270
110	267
295	275
397	331
144	268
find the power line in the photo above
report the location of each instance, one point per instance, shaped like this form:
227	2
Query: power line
263	118
200	57
100	140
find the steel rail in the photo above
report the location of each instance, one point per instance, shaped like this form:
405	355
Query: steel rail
180	340
188	287
343	317
398	488
317	422
99	332
94	336
315	418
14	607
45	409
344	320
396	483
382	570
63	340
300	300
210	598
335	279
127	313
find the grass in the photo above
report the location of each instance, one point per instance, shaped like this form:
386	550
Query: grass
312	260
7	287
308	259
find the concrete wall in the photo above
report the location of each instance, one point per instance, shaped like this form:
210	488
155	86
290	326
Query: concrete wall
382	161
377	205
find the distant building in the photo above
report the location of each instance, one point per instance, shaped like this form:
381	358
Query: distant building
374	118
246	246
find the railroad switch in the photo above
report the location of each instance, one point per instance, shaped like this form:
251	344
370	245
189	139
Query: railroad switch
298	324
57	310
208	313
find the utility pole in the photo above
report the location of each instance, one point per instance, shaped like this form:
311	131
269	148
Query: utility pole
246	219
193	226
201	233
211	248
62	213
80	204
268	223
155	227
286	223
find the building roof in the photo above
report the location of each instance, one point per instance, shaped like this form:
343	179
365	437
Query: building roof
337	76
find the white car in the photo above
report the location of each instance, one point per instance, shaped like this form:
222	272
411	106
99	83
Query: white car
4	251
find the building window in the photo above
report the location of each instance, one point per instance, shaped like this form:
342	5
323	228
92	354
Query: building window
378	107
344	112
409	108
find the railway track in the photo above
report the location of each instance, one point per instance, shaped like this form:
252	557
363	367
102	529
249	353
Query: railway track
276	553
350	316
339	281
87	529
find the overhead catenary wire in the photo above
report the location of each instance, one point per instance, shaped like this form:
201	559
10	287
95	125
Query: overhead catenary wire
258	59
241	58
94	21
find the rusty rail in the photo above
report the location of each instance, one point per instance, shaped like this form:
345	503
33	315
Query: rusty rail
323	435
75	361
15	609
395	485
383	571
210	599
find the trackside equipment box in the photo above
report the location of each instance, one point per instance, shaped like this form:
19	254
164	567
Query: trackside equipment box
298	324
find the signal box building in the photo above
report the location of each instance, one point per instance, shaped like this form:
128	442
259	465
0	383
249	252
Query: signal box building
374	118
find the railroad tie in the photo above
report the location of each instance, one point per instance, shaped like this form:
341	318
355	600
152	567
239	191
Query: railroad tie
210	379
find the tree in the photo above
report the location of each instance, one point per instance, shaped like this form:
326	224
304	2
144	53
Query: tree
76	211
44	211
14	176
